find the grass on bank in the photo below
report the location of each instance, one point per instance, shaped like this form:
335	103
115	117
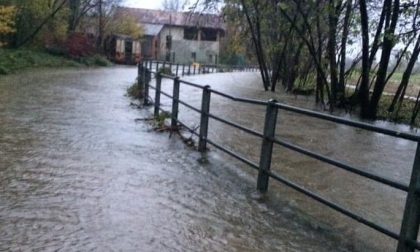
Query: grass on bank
393	83
12	61
134	91
404	115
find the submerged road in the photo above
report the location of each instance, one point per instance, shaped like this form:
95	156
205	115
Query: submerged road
78	173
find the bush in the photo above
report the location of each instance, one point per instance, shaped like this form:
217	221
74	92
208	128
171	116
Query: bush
95	60
79	45
134	91
15	60
166	70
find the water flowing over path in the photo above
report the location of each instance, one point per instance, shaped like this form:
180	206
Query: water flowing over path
78	173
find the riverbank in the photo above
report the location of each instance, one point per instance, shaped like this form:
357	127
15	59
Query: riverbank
12	61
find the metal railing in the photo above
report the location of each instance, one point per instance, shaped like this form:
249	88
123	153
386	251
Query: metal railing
192	69
407	237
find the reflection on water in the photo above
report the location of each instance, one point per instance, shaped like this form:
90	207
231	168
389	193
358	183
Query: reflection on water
77	173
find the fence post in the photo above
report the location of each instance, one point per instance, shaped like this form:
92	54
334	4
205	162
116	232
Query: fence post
157	94
140	78
147	78
177	67
157	66
175	103
267	146
189	69
183	68
139	70
204	120
411	218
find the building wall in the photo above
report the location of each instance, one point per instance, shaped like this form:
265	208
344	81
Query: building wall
148	47
182	50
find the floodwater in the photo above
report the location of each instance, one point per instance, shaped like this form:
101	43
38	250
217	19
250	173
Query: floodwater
376	153
78	172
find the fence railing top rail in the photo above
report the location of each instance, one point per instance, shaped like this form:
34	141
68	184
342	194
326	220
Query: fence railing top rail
348	122
310	113
168	76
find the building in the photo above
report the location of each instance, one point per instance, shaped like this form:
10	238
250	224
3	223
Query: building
181	37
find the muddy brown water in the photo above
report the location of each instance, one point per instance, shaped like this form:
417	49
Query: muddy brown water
387	156
77	173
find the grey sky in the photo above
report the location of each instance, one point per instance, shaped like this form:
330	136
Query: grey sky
147	4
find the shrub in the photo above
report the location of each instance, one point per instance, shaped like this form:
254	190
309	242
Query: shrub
95	60
134	91
166	70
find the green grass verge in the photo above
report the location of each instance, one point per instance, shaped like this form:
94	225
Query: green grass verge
134	91
12	61
404	115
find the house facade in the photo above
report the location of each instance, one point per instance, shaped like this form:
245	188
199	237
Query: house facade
180	37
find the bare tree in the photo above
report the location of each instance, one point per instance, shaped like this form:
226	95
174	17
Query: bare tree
174	5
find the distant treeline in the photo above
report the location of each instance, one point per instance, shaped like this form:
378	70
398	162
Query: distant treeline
309	43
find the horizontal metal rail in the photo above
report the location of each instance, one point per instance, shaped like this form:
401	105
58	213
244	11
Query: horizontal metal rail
192	84
167	76
340	120
406	238
319	115
192	131
166	94
414	244
341	165
189	106
233	154
333	205
235	125
239	99
181	123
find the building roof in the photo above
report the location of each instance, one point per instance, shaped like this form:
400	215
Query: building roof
152	29
160	17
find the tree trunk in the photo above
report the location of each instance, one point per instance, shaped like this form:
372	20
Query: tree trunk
364	84
258	47
332	48
388	44
344	38
43	23
399	95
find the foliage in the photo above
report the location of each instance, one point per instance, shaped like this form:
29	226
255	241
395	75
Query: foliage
95	60
12	60
294	40
159	122
125	25
7	22
134	91
404	115
41	22
79	45
166	70
174	5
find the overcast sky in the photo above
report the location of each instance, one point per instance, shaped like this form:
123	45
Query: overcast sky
147	4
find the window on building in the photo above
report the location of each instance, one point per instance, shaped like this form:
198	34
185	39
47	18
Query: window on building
191	33
209	34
